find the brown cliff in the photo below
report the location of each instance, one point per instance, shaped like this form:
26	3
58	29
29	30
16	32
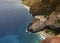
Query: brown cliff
54	39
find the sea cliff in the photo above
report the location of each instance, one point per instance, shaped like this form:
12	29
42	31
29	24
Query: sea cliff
45	26
43	33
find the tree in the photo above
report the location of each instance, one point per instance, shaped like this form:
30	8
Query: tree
34	8
44	7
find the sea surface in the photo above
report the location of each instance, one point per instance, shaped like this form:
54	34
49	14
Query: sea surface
14	19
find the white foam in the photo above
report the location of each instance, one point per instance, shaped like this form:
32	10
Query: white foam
26	30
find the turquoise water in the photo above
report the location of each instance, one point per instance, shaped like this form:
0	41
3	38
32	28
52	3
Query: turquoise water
14	20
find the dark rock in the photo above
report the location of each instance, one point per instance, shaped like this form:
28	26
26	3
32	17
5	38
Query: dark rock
53	28
31	30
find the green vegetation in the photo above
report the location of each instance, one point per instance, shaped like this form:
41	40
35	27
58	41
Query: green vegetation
25	3
51	32
35	19
58	20
44	7
28	2
58	23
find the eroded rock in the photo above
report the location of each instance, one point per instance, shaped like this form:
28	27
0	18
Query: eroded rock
54	39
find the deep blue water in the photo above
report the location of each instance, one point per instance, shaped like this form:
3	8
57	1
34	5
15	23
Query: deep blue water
14	20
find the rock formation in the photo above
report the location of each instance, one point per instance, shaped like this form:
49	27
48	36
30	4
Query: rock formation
48	24
50	8
54	39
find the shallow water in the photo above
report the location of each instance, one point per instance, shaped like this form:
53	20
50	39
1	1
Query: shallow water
14	20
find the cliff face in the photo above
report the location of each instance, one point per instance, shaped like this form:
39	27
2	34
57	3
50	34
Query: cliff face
55	39
52	19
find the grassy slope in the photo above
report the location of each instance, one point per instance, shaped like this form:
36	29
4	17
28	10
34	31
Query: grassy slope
25	3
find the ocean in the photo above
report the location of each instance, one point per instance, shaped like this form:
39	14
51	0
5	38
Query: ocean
14	20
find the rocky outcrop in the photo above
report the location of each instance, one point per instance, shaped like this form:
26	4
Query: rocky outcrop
48	24
55	39
52	19
36	26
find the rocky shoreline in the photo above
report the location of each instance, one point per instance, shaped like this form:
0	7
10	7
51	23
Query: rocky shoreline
42	33
39	33
27	7
42	19
44	25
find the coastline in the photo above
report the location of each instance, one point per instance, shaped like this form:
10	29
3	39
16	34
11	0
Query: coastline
27	7
41	34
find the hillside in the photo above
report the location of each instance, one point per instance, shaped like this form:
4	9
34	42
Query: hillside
28	2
